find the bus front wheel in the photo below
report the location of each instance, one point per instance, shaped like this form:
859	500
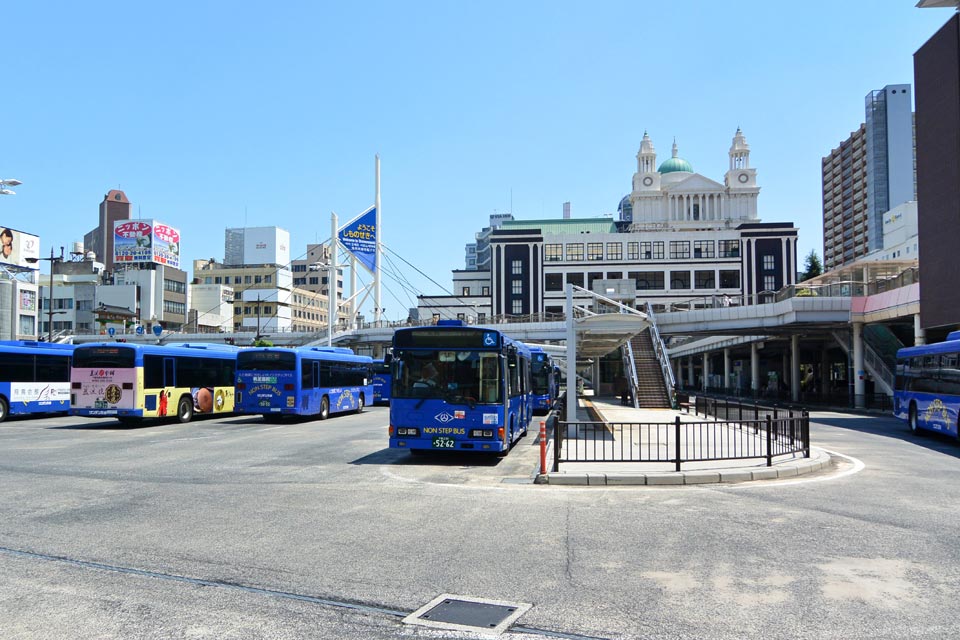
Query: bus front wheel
185	410
324	408
914	426
4	408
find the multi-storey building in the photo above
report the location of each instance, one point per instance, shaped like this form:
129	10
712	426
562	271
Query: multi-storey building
211	308
115	207
681	238
477	256
870	173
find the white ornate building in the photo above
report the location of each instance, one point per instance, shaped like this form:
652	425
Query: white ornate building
681	237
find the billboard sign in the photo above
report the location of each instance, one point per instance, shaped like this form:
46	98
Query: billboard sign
266	245
359	237
18	247
145	241
166	245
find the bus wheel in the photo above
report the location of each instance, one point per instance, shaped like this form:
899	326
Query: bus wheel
914	427
185	410
360	404
3	409
324	408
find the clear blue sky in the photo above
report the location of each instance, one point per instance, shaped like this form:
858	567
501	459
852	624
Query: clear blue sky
203	111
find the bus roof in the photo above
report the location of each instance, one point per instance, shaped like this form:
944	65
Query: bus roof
24	347
194	350
947	346
36	344
332	354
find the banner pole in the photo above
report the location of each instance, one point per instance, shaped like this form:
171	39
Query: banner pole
332	280
378	307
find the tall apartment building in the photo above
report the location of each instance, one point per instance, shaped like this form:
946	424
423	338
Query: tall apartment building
870	173
845	216
115	206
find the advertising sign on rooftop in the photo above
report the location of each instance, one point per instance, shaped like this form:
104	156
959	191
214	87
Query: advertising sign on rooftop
145	241
19	248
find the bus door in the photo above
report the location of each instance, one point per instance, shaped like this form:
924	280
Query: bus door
314	384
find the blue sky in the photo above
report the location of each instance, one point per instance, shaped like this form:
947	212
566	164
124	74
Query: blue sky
216	114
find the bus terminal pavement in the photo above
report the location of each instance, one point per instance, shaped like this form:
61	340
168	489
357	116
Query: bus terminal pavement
610	411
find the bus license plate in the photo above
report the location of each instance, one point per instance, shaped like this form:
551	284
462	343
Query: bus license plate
443	443
264	403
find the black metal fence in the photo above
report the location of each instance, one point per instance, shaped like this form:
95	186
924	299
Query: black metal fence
736	432
838	399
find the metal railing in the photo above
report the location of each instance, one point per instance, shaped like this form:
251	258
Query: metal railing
745	432
781	399
660	349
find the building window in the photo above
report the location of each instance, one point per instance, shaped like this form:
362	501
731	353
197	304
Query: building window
552	252
651	250
209	280
592	277
729	248
236	279
465	291
769	283
247	279
517	307
769	262
246	311
679	279
267	310
647	280
614	275
236	311
257	279
633	251
576	279
704	279
729	279
554	282
486	291
594	251
516	287
268	278
614	251
680	250
314	280
703	249
575	252
516	267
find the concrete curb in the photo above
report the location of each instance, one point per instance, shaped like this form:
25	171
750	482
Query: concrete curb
793	468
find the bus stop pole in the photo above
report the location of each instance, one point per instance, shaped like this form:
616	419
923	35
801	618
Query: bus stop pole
571	359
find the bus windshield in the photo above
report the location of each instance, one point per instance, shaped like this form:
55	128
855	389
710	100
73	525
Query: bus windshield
267	361
455	376
540	377
101	357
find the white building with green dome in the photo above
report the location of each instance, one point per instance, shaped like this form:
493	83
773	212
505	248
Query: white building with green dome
680	238
673	194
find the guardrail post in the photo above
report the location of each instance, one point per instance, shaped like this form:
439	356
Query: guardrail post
676	435
805	433
557	442
769	445
543	446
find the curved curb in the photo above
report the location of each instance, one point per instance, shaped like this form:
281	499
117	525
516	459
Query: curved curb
818	460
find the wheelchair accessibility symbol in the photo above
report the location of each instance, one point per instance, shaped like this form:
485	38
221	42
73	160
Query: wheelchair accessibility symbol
489	339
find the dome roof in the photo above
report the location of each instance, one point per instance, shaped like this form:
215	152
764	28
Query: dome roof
675	164
625	209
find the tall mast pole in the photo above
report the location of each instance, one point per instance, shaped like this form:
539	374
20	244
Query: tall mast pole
378	257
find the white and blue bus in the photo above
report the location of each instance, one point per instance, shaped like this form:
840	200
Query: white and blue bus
34	377
927	393
306	381
132	382
382	380
458	388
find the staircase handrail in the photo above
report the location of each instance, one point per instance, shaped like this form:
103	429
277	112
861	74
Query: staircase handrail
871	359
661	352
634	377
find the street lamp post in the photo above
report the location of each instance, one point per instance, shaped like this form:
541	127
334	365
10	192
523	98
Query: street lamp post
52	260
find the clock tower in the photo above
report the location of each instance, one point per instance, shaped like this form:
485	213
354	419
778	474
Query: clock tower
740	176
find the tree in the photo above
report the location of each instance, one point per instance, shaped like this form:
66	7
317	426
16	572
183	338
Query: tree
812	267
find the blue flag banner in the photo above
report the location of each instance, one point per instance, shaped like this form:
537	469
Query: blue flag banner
359	237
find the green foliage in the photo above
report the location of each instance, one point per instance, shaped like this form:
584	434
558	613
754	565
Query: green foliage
812	267
263	342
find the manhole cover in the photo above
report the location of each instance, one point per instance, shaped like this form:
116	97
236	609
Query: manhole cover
465	613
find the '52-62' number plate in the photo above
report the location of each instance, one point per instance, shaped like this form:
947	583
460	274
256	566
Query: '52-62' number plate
443	442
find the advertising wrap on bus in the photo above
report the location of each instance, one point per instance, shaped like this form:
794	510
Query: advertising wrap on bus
42	393
105	390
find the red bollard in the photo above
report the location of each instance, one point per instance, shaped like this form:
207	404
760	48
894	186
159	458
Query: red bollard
543	447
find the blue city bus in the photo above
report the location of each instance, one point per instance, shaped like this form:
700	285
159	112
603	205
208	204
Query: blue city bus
34	377
381	381
544	379
132	382
306	381
927	393
458	388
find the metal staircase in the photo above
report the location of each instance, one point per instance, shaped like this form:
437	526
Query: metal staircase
652	375
873	361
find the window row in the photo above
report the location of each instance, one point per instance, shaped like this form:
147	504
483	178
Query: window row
653	250
652	280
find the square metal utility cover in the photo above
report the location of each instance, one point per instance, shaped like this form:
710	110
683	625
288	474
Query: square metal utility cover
465	613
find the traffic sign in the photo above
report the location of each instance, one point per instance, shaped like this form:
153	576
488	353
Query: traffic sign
139	330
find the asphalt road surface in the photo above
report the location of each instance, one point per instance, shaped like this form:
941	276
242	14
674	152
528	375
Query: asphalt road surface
234	528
